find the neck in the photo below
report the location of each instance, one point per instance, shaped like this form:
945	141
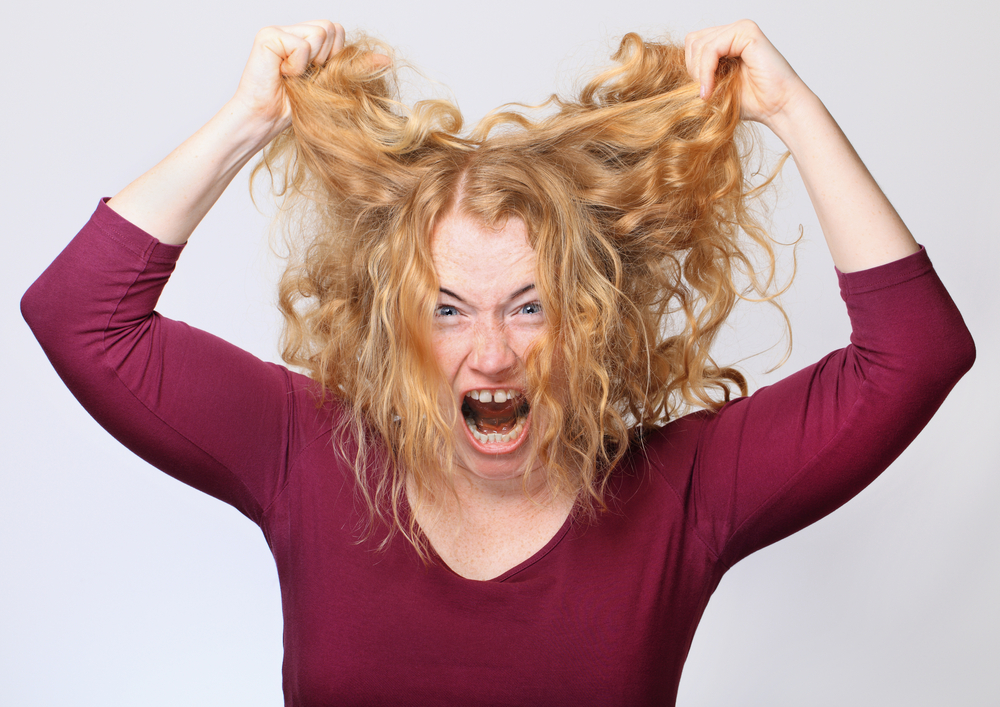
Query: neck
477	502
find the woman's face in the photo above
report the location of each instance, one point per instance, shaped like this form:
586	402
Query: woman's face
486	318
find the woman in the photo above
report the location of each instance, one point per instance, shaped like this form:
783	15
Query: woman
481	318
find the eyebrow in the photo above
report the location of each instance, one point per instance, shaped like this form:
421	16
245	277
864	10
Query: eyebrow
513	296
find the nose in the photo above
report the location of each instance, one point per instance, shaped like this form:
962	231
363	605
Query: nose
491	353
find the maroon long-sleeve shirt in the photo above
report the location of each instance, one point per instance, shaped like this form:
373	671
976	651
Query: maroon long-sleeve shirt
605	612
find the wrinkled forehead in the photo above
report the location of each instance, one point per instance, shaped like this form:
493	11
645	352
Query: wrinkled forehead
472	255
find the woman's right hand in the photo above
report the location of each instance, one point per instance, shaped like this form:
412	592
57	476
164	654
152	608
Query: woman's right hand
170	200
279	52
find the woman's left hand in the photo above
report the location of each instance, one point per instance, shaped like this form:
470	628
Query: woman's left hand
769	84
860	225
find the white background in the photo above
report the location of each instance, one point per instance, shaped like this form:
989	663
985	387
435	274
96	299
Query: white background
119	586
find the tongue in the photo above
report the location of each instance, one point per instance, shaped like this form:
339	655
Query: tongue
493	417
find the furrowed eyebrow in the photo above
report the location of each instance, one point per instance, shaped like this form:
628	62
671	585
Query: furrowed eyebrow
452	294
520	292
517	294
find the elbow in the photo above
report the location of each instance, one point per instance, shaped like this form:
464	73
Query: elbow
950	358
965	353
33	308
52	313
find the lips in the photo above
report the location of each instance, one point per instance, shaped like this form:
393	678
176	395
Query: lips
495	416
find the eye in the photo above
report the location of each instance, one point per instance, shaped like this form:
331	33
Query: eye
445	310
531	308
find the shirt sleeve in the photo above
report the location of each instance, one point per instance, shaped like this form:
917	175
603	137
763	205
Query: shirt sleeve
767	465
202	410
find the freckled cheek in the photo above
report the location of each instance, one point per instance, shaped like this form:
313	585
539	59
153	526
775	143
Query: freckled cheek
521	340
448	350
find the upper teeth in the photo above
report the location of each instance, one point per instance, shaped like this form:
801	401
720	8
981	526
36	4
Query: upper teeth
494	396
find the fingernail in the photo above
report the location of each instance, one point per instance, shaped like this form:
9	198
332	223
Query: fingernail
704	91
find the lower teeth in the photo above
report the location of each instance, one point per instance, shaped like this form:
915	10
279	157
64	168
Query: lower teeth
494	437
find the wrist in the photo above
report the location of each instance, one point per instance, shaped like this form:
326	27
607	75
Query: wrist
801	116
241	132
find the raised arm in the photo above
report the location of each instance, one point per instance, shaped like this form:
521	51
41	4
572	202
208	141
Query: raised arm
861	227
768	465
170	200
197	407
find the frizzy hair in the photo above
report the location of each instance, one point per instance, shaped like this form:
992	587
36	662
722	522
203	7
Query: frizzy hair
637	201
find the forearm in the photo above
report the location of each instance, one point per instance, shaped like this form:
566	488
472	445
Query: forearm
171	199
861	227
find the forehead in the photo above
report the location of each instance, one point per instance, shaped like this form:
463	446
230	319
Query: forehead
476	258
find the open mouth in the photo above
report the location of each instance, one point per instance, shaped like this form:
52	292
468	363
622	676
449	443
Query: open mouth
495	416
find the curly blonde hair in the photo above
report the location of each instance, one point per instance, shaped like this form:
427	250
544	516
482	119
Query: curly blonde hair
640	208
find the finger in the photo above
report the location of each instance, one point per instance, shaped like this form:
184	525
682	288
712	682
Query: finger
689	62
708	63
275	47
700	60
713	44
339	39
292	52
315	34
333	40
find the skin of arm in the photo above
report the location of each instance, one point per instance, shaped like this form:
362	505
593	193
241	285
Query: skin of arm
171	199
861	227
